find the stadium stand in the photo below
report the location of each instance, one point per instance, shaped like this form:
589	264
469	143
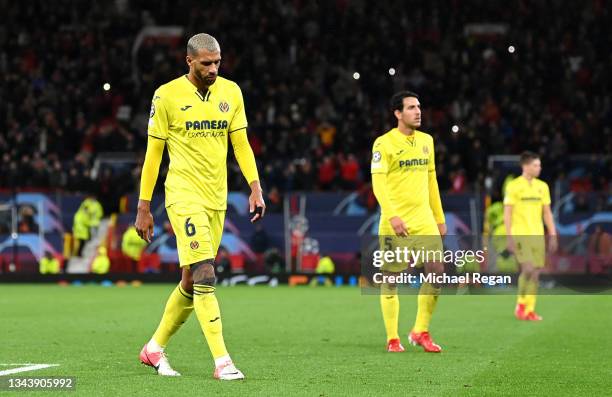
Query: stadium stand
312	123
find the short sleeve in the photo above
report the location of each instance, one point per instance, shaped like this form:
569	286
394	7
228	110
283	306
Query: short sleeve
510	197
380	164
545	194
239	120
158	118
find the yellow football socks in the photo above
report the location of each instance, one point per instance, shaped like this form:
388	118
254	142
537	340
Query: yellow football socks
209	316
427	300
530	295
389	303
178	308
522	286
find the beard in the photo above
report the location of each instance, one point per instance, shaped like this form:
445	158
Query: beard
413	125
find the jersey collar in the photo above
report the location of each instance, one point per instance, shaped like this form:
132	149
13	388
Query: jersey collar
192	87
527	181
399	137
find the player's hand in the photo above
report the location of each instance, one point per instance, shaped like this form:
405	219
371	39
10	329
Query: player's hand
257	206
399	227
553	243
442	229
144	223
511	245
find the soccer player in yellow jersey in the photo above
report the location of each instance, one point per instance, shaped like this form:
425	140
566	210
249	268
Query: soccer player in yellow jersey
405	185
194	116
526	203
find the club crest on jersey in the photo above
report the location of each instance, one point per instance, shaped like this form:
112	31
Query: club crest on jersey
152	110
425	150
376	156
223	106
194	245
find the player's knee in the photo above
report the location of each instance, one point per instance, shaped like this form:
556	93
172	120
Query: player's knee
187	285
387	285
187	280
389	288
203	273
527	269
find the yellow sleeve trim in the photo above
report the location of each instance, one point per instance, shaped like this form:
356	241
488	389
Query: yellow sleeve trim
238	129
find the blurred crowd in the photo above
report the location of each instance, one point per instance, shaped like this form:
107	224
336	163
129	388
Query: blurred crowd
316	77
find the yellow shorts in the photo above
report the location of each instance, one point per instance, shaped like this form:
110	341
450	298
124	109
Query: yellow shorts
531	249
425	238
198	231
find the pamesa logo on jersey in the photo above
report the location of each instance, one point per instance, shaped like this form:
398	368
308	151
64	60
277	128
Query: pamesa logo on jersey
206	128
413	162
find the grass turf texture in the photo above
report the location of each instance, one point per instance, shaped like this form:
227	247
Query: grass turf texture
310	341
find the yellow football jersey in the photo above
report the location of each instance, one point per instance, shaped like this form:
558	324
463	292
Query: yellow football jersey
407	161
527	200
196	128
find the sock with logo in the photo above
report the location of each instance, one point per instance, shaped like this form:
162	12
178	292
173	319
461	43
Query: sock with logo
209	317
522	286
530	295
426	304
177	311
389	304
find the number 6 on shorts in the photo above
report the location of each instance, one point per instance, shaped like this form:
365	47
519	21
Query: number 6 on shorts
190	229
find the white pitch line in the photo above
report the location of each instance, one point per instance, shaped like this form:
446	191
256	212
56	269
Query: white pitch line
28	367
13	364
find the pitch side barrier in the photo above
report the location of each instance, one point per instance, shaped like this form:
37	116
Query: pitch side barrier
486	284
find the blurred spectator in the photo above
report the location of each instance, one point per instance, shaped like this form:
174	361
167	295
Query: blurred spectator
273	261
132	245
80	230
325	267
259	240
223	263
349	172
458	181
581	203
86	221
49	264
304	176
26	222
327	133
101	263
94	211
274	201
327	173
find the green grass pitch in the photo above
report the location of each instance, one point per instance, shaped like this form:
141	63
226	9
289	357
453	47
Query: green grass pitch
309	341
